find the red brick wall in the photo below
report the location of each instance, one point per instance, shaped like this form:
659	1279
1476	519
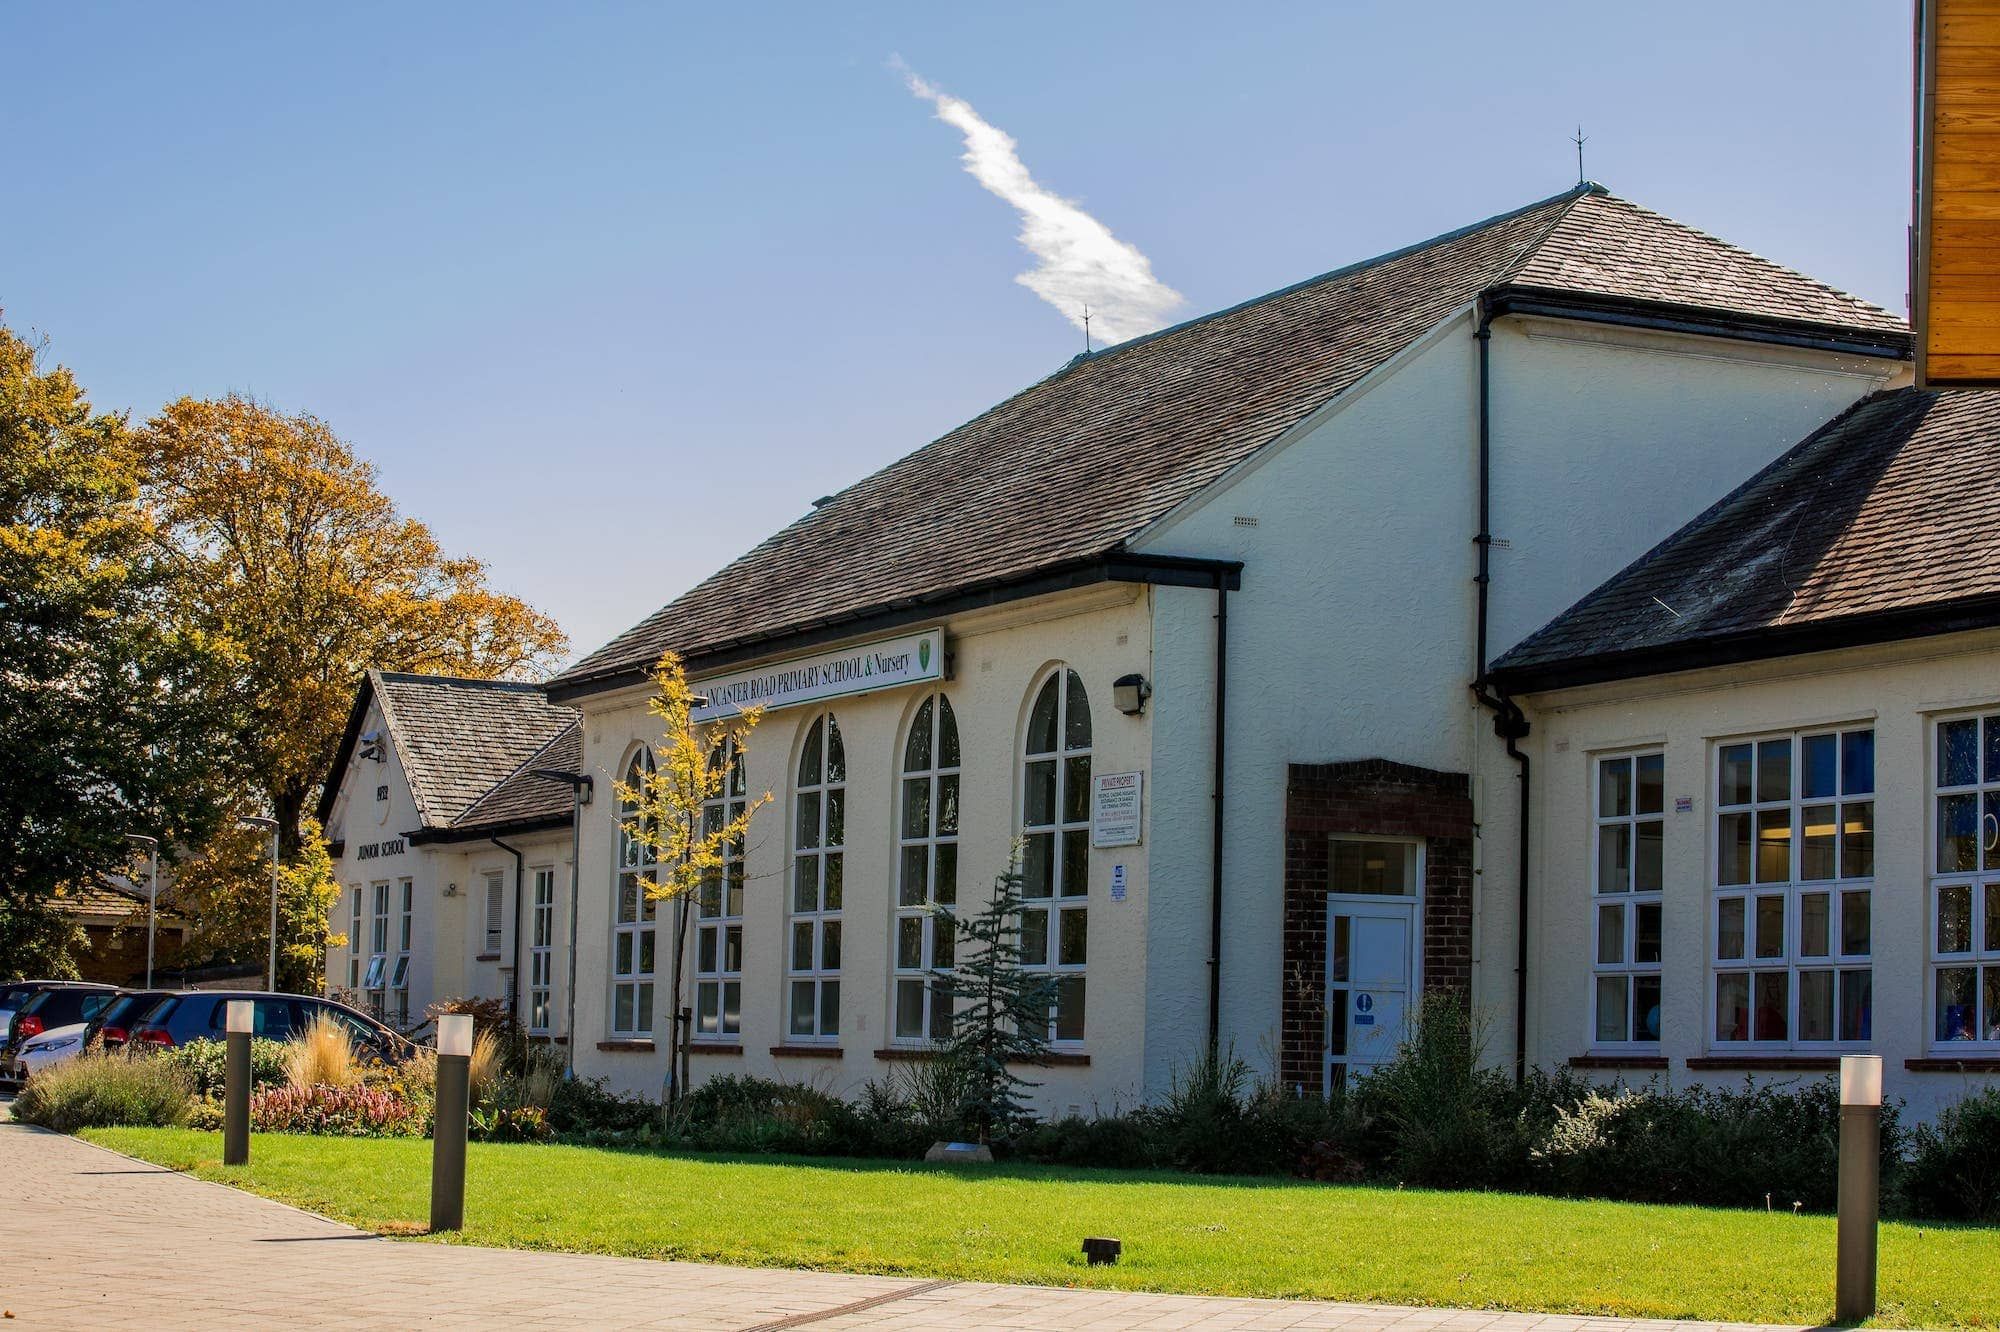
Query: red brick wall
1385	799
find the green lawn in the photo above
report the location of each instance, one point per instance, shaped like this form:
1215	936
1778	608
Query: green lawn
1203	1236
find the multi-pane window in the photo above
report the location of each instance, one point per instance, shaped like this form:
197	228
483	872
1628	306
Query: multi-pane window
496	913
1794	865
927	874
399	979
355	942
1965	884
541	952
718	944
634	918
376	980
1630	819
819	832
1055	827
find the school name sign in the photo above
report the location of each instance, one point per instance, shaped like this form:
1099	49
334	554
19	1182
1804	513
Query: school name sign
888	663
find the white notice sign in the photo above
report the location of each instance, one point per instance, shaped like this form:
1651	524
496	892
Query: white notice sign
909	659
1114	809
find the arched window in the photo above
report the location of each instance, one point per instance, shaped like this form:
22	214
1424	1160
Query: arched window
819	832
633	918
718	945
927	875
1055	832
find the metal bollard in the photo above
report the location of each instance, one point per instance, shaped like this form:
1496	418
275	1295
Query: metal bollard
1860	1193
236	1083
454	1097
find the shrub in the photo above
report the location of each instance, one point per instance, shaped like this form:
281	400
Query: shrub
1954	1170
521	1123
355	1111
1439	1117
321	1056
202	1063
748	1114
104	1091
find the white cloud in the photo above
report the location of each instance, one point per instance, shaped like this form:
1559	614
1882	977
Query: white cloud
1079	262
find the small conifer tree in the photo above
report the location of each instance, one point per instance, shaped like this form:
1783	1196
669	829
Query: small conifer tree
1000	1010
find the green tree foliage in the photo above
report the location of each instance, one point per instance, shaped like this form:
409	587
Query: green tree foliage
1000	1011
108	721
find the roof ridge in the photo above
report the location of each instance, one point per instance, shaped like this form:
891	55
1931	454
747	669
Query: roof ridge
476	681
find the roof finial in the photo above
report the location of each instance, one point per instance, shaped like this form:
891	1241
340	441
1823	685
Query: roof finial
1579	140
1086	328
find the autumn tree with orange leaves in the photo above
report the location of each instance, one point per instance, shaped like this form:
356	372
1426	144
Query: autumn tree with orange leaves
291	558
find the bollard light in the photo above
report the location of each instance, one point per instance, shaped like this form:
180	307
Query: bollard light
1860	1200
454	1097
239	1021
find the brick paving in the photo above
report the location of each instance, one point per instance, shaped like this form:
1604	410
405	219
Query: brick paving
92	1239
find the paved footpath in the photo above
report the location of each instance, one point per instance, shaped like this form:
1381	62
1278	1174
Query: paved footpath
92	1239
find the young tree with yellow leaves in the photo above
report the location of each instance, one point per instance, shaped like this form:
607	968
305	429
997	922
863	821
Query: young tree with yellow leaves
690	813
289	556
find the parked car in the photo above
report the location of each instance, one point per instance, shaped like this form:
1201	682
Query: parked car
57	1004
112	1027
107	1030
204	1015
15	993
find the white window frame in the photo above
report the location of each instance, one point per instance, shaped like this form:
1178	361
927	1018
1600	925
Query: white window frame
718	915
1629	900
1334	1067
399	977
1980	884
1067	908
1793	962
355	951
813	941
541	951
376	980
634	921
921	903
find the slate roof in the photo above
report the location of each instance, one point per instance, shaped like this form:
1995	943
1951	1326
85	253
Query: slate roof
1882	524
523	798
458	739
1073	467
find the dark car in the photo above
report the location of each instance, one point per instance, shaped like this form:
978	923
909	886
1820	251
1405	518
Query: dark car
57	1004
195	1015
113	1025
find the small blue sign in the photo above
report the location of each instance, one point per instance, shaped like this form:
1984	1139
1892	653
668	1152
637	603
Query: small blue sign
1364	1019
1364	1003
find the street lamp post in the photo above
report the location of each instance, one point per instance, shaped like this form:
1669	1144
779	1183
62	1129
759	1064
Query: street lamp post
152	899
1859	1187
270	825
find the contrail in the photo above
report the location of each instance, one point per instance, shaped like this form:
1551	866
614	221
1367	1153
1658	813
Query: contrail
1079	263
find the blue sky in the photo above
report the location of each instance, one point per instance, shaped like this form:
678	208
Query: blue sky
609	292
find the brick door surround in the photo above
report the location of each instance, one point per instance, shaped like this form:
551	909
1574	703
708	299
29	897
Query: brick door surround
1379	798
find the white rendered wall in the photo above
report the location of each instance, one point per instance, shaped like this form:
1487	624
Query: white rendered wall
358	820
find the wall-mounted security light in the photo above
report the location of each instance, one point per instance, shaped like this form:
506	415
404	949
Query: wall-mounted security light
580	783
372	747
1129	694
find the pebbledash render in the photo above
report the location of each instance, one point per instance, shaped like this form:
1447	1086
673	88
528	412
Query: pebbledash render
1202	623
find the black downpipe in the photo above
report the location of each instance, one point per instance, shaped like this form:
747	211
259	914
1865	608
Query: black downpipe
514	972
1221	786
1509	722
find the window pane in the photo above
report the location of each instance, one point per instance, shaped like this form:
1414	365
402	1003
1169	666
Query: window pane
1773	997
1342	925
1774	770
1770	927
1076	715
808	821
835	874
732	948
1732	785
1732	1007
1652	784
1034	938
947	805
1817	842
645	952
1336	1024
1732	849
910	889
1815	1005
805	883
1857	840
829	1000
1038	865
732	1006
829	946
1989	831
1076	863
705	952
916	807
1074	946
1039	805
947	734
1992	1004
1613	1017
944	943
1855	932
836	752
1729	929
707	1007
621	967
1614	787
1648	868
917	746
1954	919
802	1008
1992	918
940	1011
810	755
1076	789
1815	925
910	943
909	1008
1958	753
1614	858
1646	1008
1069	1008
1774	845
1857	763
1819	766
1042	722
1646	933
1956	1018
1611	933
621	1008
628	898
1957	834
802	946
944	889
1857	1003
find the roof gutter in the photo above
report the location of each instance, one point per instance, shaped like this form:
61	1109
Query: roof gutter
487	832
1116	566
1667	317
